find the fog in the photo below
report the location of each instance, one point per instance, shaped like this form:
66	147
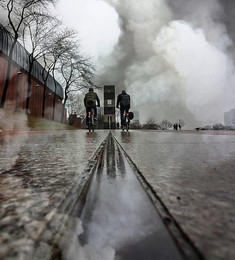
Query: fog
174	58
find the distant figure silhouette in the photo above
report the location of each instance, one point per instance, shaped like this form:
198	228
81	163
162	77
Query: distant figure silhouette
124	100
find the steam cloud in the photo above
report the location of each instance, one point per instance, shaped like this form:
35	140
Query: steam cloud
174	59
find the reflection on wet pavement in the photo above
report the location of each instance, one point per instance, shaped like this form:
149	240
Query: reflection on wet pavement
36	173
119	221
194	176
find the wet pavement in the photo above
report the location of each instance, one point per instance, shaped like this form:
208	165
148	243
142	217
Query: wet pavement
118	219
37	173
43	175
194	175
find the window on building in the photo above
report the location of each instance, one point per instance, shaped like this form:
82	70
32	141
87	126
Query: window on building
109	102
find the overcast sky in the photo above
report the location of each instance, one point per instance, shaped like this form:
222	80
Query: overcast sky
95	21
175	57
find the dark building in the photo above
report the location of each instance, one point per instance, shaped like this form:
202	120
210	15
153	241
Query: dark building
18	82
109	107
75	121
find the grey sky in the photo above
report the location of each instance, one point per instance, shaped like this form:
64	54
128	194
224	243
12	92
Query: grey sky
96	23
174	57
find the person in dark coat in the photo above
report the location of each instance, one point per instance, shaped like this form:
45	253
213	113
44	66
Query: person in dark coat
90	100
124	101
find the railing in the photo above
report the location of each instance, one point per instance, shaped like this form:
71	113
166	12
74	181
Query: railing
20	56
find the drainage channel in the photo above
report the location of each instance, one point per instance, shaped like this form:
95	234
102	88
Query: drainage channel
119	221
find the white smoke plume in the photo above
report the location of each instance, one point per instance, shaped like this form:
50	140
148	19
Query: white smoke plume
174	59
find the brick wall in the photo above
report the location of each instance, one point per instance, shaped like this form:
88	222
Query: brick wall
17	93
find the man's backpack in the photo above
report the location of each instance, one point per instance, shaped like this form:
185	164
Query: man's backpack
124	99
90	99
131	115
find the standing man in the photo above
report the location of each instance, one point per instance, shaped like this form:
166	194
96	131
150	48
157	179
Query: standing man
90	100
124	100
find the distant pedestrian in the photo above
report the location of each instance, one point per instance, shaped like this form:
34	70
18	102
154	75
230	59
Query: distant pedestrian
176	127
179	126
118	125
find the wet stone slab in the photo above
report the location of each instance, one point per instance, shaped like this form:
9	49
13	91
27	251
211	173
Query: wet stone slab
36	173
194	176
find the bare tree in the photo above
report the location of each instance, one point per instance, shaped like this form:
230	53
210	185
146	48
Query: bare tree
165	124
38	29
75	104
151	124
17	12
48	65
218	126
136	125
77	73
59	45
